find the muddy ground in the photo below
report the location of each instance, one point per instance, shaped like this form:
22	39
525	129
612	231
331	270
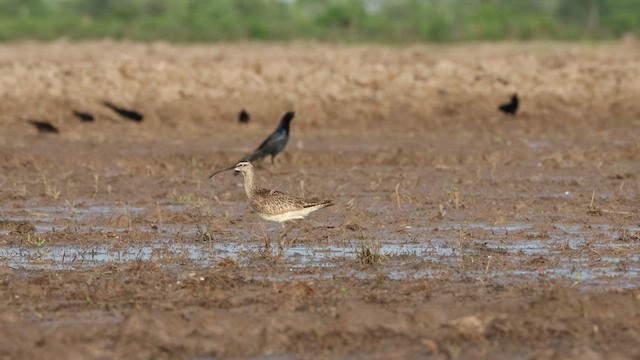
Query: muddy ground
458	231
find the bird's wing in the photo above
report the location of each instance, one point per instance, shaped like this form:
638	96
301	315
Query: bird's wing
316	202
272	142
270	145
273	202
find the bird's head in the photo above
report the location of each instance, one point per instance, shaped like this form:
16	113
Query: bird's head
243	166
286	119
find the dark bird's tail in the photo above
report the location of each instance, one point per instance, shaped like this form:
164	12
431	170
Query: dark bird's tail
255	155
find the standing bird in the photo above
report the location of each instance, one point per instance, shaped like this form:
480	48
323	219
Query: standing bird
243	117
83	116
510	107
127	114
44	126
274	205
275	143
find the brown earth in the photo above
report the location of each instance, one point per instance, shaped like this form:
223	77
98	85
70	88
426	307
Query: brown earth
458	231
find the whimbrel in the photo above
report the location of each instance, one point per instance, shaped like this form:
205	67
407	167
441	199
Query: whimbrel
510	107
275	143
274	205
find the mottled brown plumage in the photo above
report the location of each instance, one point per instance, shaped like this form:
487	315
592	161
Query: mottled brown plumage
274	205
278	206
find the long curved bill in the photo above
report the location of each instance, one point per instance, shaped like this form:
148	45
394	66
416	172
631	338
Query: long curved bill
223	170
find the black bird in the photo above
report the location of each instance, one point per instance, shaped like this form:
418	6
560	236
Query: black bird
128	114
44	126
83	116
275	143
510	107
243	117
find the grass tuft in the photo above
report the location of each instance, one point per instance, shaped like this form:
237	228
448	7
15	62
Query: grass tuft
369	252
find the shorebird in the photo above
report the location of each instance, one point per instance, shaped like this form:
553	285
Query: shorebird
275	143
273	205
510	107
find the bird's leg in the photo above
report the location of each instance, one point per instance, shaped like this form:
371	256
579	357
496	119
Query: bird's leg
285	228
295	239
267	242
280	252
282	239
273	159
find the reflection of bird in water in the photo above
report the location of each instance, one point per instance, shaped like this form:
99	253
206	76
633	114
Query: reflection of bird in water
83	116
274	205
44	126
510	107
275	143
243	117
127	114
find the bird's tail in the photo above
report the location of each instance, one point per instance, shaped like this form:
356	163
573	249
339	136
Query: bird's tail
319	205
256	155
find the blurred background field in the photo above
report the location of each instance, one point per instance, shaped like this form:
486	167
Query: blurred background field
382	21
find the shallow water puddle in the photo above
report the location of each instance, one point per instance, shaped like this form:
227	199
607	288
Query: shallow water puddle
584	254
398	260
49	214
70	256
200	254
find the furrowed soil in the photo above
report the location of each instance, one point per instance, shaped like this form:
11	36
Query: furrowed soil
458	231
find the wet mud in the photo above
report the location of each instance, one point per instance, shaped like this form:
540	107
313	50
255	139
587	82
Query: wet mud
458	231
